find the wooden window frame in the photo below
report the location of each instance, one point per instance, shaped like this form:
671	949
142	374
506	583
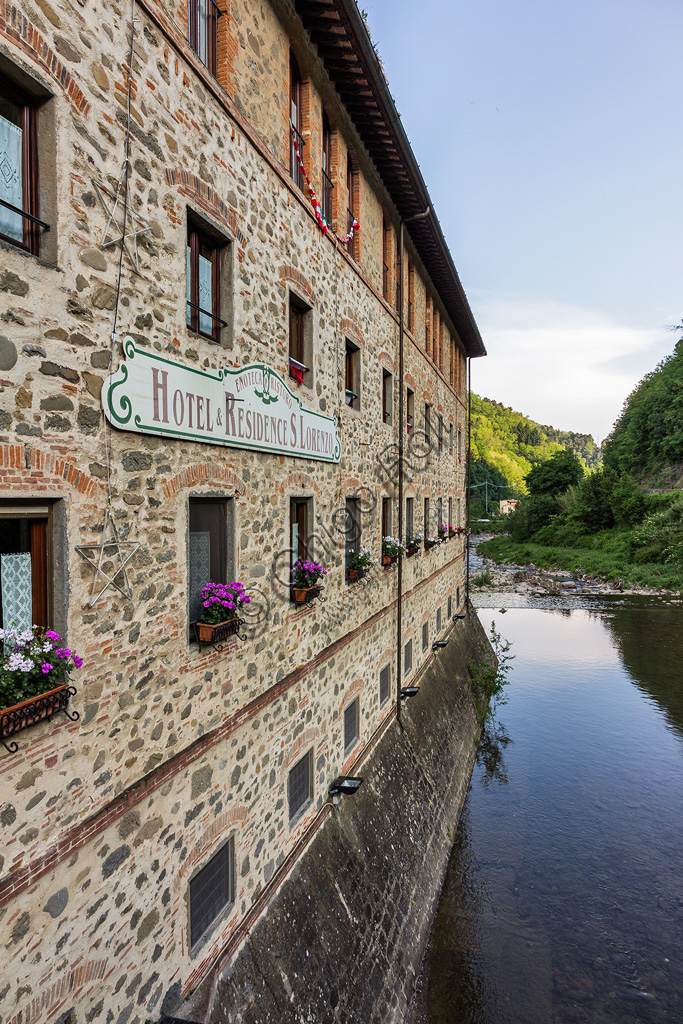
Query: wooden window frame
353	532
299	343
387	396
410	517
410	410
386	248
299	512
411	296
386	518
352	183
221	557
327	182
193	32
40	545
29	168
352	375
196	236
295	96
425	636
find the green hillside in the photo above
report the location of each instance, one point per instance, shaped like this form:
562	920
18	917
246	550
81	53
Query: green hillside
506	445
647	439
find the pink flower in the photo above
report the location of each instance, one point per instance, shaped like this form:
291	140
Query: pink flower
77	661
51	635
46	667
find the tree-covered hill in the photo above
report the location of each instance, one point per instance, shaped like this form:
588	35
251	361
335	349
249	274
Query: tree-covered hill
506	445
647	439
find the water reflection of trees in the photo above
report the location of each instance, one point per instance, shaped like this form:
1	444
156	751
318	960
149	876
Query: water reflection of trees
491	753
649	639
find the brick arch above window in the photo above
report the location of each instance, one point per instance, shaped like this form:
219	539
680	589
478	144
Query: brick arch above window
386	362
211	836
300	282
351	330
388	654
426	397
298	482
33	464
204	473
301	745
16	27
349	695
207	200
409	380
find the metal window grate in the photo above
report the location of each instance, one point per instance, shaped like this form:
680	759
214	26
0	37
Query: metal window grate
300	784
408	657
211	891
350	725
384	681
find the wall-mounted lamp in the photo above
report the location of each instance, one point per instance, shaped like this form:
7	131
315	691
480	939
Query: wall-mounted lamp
438	644
459	615
409	691
344	785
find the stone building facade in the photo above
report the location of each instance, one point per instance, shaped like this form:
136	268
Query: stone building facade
141	841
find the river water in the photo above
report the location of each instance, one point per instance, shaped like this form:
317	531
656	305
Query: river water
564	895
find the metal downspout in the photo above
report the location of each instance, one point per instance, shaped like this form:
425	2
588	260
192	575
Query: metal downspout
401	456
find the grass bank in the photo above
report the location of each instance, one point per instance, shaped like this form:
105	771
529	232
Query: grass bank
604	564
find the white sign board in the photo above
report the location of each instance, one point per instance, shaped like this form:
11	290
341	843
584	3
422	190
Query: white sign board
251	407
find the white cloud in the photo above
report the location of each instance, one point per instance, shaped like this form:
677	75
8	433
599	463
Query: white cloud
565	366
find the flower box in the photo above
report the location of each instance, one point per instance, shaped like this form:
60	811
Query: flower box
452	532
430	544
411	551
35	709
301	595
212	632
389	559
355	574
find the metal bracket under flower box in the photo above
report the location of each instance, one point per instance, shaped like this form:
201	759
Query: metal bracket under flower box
34	710
221	633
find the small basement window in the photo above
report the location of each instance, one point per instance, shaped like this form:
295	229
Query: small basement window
212	890
384	684
300	786
351	717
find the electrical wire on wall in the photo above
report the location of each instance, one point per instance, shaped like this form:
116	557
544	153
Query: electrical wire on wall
110	547
126	178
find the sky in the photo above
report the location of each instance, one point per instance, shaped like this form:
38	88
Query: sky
550	136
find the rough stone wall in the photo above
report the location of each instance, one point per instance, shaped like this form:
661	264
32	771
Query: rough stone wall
104	820
343	938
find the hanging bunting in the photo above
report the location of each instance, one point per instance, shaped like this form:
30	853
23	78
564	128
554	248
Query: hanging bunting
326	228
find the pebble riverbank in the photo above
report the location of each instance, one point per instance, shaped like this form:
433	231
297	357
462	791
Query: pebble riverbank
528	586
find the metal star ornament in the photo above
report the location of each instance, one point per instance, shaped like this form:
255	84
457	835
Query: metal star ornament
132	231
115	548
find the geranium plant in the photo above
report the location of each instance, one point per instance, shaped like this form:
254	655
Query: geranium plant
33	661
361	559
306	573
443	532
222	601
392	546
413	539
